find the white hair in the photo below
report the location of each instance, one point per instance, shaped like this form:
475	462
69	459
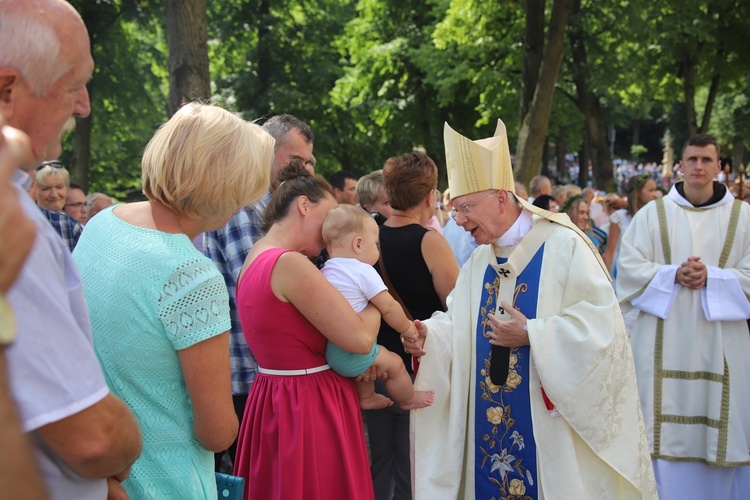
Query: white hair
95	196
32	47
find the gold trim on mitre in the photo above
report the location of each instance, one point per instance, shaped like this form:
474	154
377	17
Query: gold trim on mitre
475	166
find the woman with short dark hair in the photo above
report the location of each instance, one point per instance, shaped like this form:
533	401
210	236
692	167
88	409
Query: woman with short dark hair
422	271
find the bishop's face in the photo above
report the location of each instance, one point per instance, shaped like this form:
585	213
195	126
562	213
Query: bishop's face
484	214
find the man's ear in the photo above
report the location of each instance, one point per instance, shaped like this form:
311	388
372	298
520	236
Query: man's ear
9	79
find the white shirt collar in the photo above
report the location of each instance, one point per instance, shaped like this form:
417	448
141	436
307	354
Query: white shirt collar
675	196
22	179
517	231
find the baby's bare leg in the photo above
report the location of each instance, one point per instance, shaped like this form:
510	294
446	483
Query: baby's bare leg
399	384
369	399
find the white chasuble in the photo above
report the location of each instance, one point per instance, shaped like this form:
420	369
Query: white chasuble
693	371
592	445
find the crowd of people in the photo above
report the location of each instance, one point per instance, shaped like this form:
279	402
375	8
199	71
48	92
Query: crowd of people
354	338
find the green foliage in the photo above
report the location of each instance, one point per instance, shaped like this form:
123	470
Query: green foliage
377	78
128	92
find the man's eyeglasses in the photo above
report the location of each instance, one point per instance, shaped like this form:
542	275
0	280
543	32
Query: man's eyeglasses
53	164
465	208
78	205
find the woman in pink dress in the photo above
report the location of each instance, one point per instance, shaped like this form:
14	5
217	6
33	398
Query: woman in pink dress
302	435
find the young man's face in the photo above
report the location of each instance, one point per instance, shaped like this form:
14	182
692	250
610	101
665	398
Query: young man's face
700	165
348	194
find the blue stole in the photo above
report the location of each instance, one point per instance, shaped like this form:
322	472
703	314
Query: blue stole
505	450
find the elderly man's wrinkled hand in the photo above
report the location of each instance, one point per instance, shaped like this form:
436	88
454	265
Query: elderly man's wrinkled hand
508	333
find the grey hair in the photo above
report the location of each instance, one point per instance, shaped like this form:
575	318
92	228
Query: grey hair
95	196
33	48
279	125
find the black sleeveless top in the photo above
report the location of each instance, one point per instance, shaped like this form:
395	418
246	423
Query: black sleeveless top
402	255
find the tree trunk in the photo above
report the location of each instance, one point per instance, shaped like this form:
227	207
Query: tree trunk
687	74
79	169
712	91
79	163
636	132
545	158
583	162
738	152
533	51
601	158
560	151
533	129
188	53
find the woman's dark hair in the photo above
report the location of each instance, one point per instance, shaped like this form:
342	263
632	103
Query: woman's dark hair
295	181
543	201
408	179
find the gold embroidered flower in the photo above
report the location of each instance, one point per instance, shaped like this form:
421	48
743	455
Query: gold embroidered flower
494	389
513	361
516	487
495	415
514	379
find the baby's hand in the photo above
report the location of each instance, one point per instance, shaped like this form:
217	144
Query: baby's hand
411	334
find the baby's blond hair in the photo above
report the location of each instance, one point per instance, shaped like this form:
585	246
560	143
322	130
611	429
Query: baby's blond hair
342	220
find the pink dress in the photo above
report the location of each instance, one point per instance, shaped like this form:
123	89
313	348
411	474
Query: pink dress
302	435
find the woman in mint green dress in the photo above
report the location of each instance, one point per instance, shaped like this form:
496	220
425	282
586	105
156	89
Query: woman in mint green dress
159	308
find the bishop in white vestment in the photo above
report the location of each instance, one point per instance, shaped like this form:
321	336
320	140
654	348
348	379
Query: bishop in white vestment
565	421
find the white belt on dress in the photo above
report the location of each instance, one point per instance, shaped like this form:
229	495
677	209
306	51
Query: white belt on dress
287	373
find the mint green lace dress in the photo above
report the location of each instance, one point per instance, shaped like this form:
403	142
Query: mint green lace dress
151	294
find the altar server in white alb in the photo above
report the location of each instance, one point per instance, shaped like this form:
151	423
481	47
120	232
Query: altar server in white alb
685	266
535	391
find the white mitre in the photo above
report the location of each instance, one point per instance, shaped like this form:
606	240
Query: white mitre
475	166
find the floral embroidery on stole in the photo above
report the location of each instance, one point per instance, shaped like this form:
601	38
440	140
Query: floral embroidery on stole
505	450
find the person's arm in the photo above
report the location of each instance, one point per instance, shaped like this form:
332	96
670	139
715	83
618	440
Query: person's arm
17	233
205	366
19	475
100	441
296	280
393	314
612	238
442	264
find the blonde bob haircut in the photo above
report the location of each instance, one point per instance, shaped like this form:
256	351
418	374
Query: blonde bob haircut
343	220
205	162
368	187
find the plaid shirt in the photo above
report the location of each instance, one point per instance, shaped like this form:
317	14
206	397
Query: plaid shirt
228	248
65	225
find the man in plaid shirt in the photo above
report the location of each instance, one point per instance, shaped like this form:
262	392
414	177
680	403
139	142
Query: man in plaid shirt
228	248
66	226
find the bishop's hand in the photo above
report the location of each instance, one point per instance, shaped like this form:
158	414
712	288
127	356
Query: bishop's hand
510	332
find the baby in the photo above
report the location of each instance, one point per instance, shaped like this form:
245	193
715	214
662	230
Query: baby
351	237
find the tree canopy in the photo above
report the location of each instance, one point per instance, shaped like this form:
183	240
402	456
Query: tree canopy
377	78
